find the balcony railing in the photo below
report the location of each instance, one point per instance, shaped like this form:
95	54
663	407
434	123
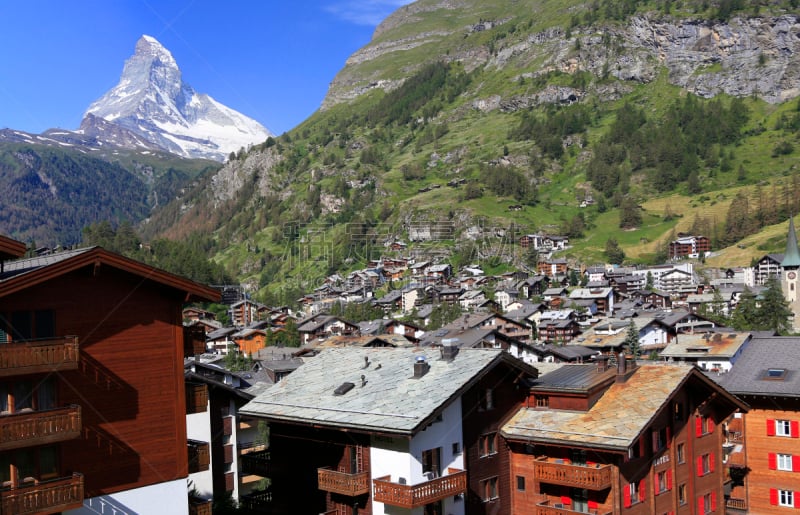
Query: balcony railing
256	502
29	428
199	457
342	483
257	463
555	508
199	506
736	504
413	496
45	497
592	477
36	356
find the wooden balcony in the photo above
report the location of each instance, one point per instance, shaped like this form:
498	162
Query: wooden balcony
591	477
414	496
196	398
199	456
330	480
736	504
553	508
42	498
199	506
256	463
36	356
194	341
30	428
256	502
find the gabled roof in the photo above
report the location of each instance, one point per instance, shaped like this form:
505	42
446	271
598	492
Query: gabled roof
749	374
10	248
389	400
618	418
25	273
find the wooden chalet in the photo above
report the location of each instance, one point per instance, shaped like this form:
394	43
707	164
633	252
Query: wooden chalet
391	430
620	441
93	401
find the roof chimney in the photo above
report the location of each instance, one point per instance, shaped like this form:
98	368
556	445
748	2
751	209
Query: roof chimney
421	367
449	352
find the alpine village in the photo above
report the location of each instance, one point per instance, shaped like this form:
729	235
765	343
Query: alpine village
528	257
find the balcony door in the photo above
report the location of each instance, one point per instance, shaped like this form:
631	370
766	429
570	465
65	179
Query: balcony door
580	500
431	462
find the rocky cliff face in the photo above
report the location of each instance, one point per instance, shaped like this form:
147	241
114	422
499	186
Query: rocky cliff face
152	101
744	56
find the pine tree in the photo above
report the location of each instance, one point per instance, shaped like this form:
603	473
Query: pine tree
773	313
631	343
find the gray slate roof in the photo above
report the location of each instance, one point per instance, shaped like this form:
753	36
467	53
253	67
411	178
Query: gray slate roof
390	401
763	353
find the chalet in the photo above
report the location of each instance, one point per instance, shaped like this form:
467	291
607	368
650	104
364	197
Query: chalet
382	430
558	326
218	341
88	334
633	440
419	269
249	339
443	294
411	297
471	299
505	297
553	293
689	246
549	353
193	313
505	325
653	299
678	283
712	351
390	302
764	442
603	297
768	266
533	286
411	332
244	312
322	326
439	273
595	273
553	267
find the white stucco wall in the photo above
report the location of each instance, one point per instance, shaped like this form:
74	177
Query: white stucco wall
400	458
169	498
198	427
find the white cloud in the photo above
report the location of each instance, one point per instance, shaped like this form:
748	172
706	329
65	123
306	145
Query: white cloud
365	12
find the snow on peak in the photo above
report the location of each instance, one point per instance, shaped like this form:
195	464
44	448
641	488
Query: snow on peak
152	100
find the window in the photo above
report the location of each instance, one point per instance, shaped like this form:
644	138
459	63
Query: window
542	401
785	498
663	481
790	428
782	428
680	452
679	412
707	503
488	399
682	494
703	425
705	464
783	462
488	444
661	439
456	448
489	489
633	493
521	483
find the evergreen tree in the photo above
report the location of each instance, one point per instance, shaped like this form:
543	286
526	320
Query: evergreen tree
649	284
773	312
614	253
631	343
744	316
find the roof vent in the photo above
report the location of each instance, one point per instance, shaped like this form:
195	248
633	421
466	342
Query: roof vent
344	388
449	352
421	367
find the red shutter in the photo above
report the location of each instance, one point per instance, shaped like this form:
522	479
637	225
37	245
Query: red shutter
796	463
713	501
701	506
642	490
626	496
566	501
699	466
669	480
710	425
592	505
655	487
795	425
711	460
797	499
770	427
773	461
698	426
773	496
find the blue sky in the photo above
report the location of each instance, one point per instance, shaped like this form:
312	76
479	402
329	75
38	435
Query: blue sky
271	60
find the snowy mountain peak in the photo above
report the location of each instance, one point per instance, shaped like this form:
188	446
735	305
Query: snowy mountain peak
152	101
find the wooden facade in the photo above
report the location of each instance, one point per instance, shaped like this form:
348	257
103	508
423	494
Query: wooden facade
106	407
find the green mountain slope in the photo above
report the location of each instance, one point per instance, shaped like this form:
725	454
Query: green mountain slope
463	125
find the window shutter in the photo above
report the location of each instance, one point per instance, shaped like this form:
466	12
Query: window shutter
655	488
795	426
669	480
710	425
566	501
642	490
773	496
773	461
711	462
626	496
699	466
698	426
701	507
796	463
797	499
770	427
592	505
713	501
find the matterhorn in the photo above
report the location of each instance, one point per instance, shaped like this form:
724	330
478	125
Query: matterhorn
151	101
